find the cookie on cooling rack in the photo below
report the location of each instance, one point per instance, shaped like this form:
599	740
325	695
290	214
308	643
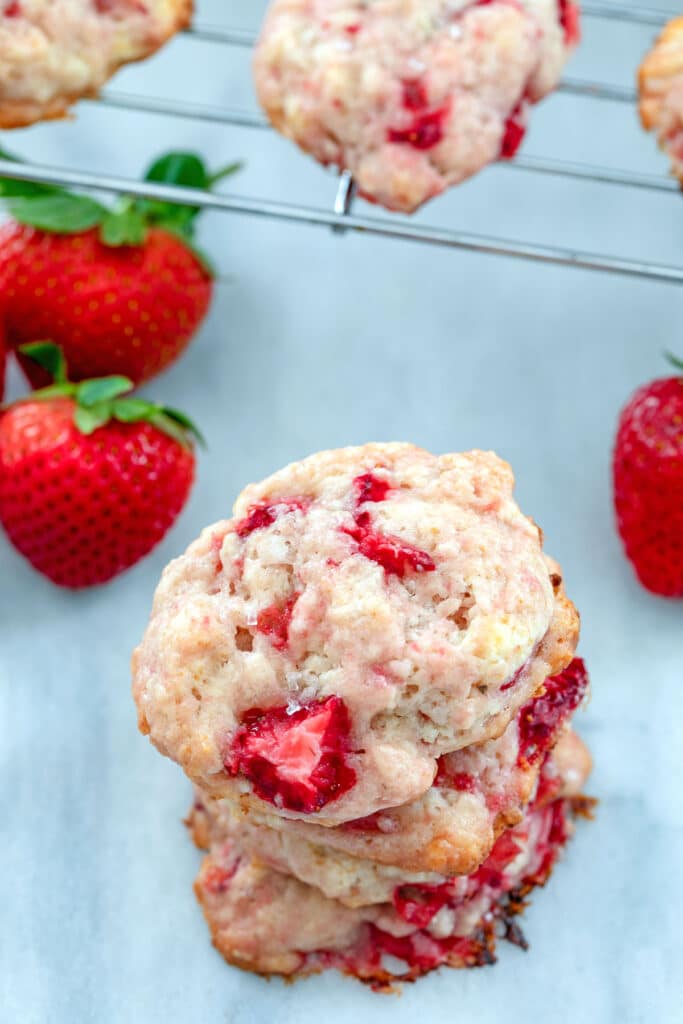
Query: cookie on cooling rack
660	86
411	96
54	52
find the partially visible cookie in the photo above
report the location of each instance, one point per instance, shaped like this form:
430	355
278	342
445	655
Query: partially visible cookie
660	85
479	792
265	921
352	879
54	52
411	96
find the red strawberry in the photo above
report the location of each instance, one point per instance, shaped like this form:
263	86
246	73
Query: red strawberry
648	484
120	291
3	359
90	481
296	759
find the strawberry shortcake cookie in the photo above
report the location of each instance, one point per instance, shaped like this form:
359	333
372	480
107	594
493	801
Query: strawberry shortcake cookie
660	86
54	52
478	792
353	879
410	96
364	613
264	919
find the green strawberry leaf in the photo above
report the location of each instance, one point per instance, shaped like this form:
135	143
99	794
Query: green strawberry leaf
61	214
224	172
170	421
65	390
88	420
185	421
58	211
10	157
92	392
49	356
13	187
189	171
177	168
169	426
100	399
674	360
123	227
131	410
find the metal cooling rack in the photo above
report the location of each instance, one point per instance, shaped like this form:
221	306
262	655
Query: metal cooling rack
341	217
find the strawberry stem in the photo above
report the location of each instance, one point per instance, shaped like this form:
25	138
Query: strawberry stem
49	356
674	360
100	400
61	212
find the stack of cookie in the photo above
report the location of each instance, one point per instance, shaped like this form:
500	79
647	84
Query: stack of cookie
369	675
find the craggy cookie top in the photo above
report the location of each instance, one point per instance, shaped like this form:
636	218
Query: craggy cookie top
411	96
365	611
54	51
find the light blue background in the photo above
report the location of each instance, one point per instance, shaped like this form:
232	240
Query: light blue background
316	341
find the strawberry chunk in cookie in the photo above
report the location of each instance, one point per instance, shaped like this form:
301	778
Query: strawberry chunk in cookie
295	758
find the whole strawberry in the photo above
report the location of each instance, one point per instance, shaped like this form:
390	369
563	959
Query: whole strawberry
3	358
90	480
121	291
648	483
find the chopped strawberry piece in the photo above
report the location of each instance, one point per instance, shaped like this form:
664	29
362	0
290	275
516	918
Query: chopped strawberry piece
425	131
369	487
503	853
274	622
542	717
419	950
514	132
515	678
570	20
264	514
418	904
370	823
297	761
414	94
393	554
422	952
462	781
13	10
558	834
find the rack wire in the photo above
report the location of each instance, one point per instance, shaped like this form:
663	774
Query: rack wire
341	216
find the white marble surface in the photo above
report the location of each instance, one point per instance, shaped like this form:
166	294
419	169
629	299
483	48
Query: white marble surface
316	341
